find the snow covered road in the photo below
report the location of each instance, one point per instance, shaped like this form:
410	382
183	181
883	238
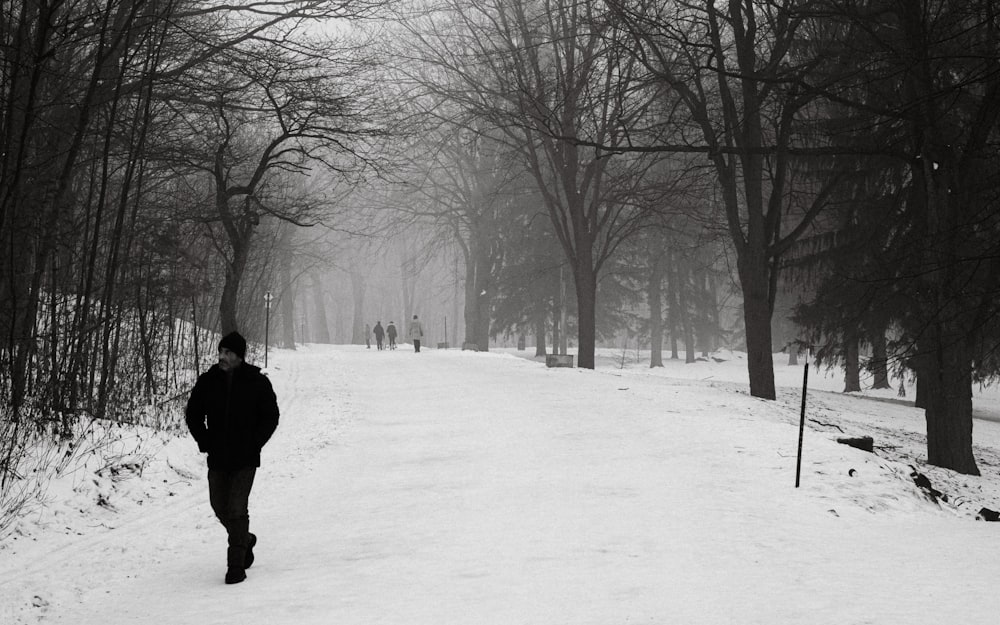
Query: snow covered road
451	487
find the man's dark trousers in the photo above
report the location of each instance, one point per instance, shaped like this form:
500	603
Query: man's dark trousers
229	494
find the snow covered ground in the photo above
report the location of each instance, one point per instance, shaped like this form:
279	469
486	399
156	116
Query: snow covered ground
452	487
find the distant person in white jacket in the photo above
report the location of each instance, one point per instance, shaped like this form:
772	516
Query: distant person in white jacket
416	333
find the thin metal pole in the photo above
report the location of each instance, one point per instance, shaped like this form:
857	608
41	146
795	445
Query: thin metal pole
802	419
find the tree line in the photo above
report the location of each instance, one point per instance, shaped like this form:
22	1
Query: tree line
840	155
156	157
590	165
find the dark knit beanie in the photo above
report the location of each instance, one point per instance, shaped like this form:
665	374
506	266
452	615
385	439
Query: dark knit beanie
235	343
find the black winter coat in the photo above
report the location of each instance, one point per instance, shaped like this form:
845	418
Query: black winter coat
232	419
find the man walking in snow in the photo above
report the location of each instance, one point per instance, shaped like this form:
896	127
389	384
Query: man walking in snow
390	332
379	333
232	412
416	333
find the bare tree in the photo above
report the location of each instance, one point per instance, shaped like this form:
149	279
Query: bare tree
266	115
462	182
90	278
733	67
547	76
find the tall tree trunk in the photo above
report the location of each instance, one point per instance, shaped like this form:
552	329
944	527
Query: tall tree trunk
341	333
540	330
358	289
556	331
484	297
585	279
755	276
713	313
561	346
921	366
112	264
852	365
455	309
471	309
949	408
943	178
229	302
674	306
148	321
656	311
880	361
683	286
321	324
23	338
482	321
287	303
703	327
408	277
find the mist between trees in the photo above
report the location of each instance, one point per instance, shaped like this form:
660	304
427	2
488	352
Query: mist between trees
759	175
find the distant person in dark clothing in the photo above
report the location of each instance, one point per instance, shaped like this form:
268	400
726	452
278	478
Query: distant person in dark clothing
390	331
416	333
379	332
232	412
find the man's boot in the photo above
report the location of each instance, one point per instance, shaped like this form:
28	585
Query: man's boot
235	575
248	560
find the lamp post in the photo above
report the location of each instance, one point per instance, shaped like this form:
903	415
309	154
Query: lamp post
268	298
